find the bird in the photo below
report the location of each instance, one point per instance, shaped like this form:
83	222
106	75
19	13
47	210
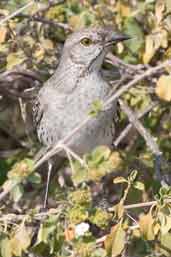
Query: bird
66	98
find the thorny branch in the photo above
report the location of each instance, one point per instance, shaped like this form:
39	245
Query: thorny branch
110	100
114	60
57	148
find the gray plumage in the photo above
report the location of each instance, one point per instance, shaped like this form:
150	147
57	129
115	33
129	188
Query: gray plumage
66	98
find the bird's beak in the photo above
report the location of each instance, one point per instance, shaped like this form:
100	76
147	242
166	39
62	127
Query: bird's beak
115	38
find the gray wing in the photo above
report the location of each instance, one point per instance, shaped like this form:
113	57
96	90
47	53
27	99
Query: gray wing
37	111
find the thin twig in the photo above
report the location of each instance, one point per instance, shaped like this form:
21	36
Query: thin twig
74	155
109	101
12	15
130	125
46	21
137	124
130	68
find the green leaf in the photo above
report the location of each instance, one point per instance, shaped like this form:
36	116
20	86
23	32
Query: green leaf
46	229
97	106
17	193
79	174
35	178
133	29
14	59
100	154
21	169
139	185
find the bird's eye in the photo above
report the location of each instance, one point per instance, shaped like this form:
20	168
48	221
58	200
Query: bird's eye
86	41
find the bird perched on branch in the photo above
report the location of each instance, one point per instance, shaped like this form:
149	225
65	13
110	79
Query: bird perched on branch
67	97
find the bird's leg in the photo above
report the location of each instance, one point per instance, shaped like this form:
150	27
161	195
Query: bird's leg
50	164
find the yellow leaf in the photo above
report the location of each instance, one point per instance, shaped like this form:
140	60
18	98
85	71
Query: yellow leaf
159	10
165	223
168	5
115	159
120	48
165	243
163	88
39	53
115	241
146	223
14	59
29	40
75	22
124	9
149	49
163	38
47	44
153	42
3	33
4	12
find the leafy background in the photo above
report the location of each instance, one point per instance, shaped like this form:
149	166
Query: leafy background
115	207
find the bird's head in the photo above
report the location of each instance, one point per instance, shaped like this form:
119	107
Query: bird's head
88	47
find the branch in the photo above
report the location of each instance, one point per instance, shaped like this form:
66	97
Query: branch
111	99
12	15
130	125
130	68
143	132
57	147
46	21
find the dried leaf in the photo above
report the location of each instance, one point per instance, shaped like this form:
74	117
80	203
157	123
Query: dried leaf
69	233
146	223
3	33
153	42
115	241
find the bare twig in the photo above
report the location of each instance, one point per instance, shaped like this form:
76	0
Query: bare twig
137	124
150	141
130	68
10	75
12	15
74	155
130	125
109	101
47	21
